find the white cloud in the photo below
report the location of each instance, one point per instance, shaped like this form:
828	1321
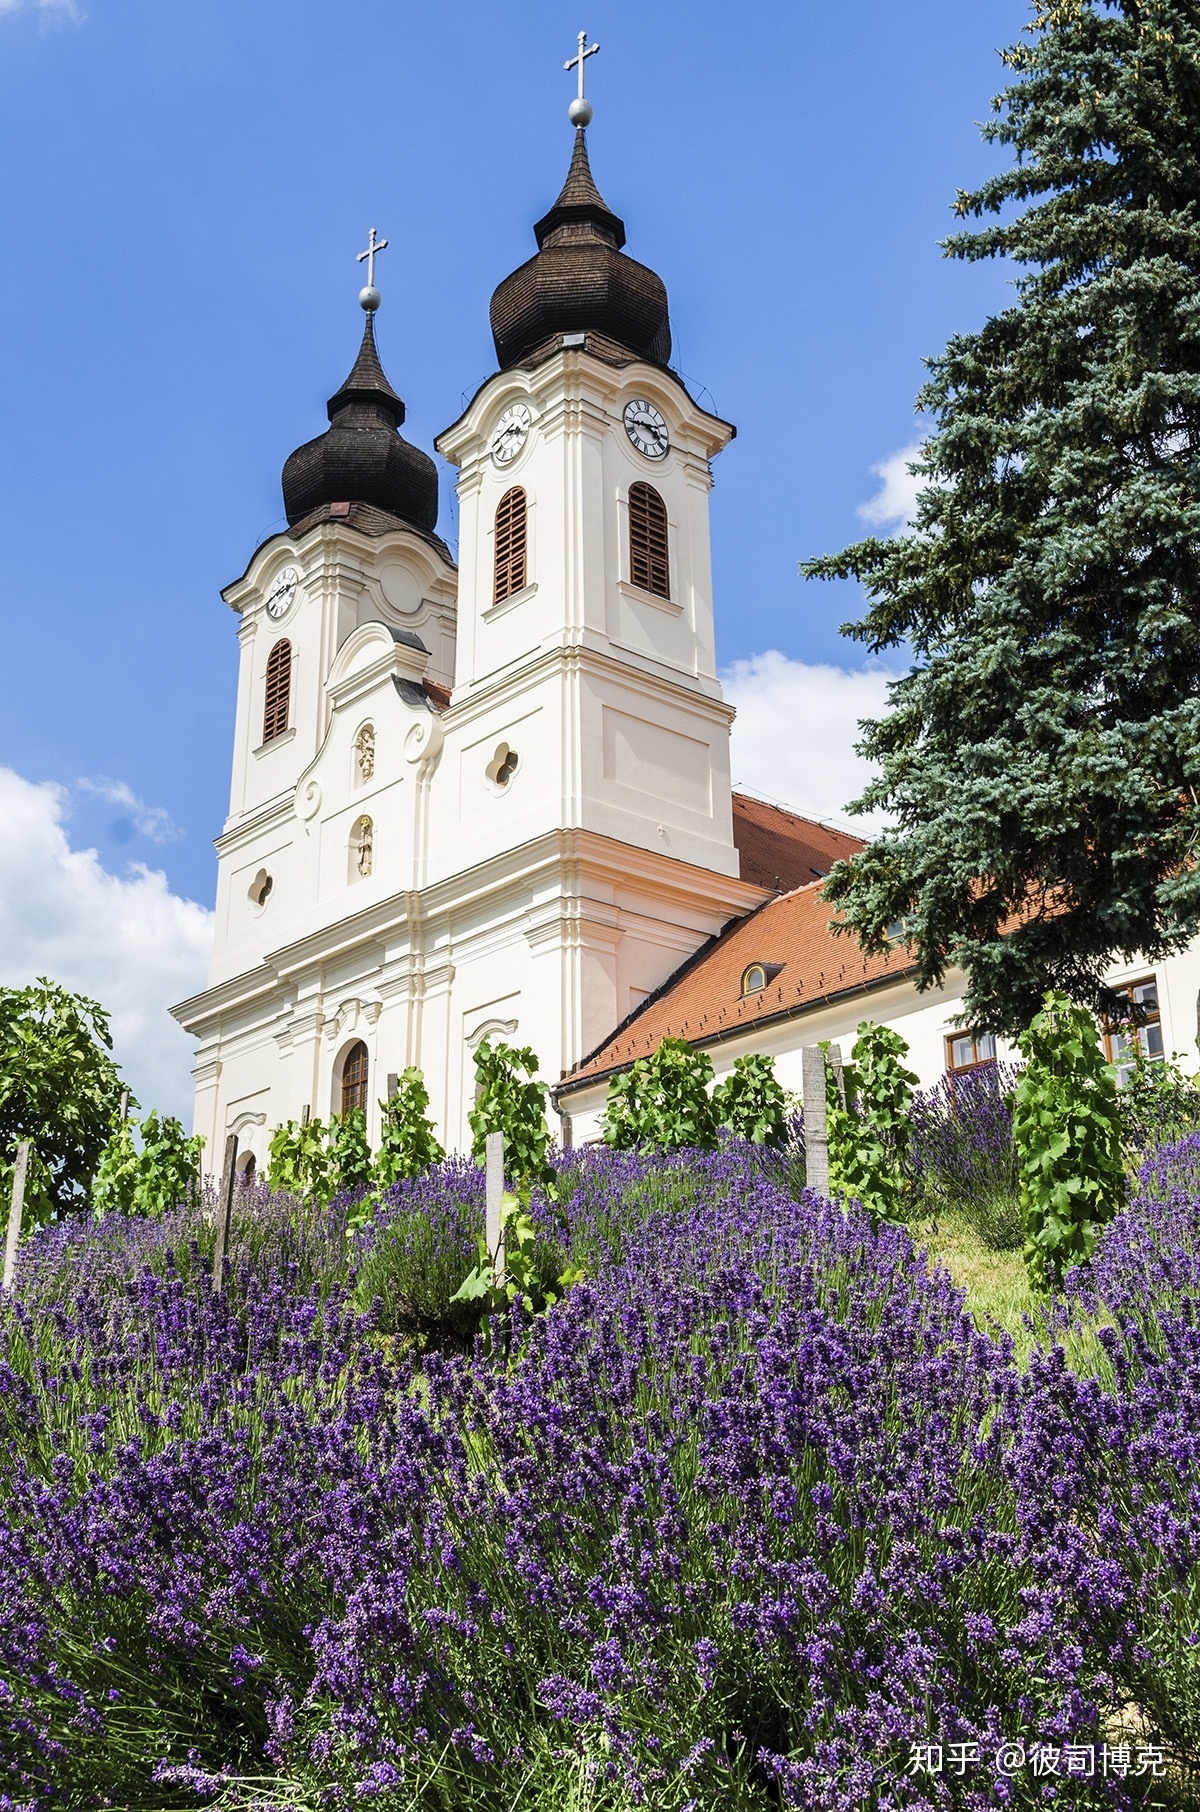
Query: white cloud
128	941
797	724
150	820
895	502
63	9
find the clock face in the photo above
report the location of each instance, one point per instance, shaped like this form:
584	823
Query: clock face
510	433
282	592
646	428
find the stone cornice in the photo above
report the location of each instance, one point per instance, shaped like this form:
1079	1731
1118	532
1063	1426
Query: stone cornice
575	376
327	545
649	683
571	854
277	810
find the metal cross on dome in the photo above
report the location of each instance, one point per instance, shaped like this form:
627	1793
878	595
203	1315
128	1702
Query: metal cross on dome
580	110
373	245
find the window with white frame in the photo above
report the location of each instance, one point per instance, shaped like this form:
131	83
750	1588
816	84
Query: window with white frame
1140	1034
969	1051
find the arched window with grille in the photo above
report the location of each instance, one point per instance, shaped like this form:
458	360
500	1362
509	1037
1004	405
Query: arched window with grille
511	544
354	1078
649	568
279	690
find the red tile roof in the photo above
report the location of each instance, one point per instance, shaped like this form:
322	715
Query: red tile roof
703	1000
780	849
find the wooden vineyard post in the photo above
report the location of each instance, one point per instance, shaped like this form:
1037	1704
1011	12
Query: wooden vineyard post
20	1171
816	1118
493	1224
224	1212
393	1086
834	1054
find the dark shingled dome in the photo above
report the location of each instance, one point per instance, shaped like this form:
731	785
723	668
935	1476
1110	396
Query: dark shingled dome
580	280
361	458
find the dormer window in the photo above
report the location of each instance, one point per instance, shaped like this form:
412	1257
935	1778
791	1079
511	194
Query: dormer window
649	567
759	976
279	691
511	541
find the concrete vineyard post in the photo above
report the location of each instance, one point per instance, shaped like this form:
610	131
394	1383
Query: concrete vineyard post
816	1119
224	1212
494	1172
20	1171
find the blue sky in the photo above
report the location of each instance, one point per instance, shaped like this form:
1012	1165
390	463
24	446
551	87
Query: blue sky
185	185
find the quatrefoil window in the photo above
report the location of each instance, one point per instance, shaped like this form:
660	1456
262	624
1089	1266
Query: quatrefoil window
503	765
260	888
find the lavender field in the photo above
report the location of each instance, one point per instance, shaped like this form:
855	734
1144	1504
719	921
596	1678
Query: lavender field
755	1516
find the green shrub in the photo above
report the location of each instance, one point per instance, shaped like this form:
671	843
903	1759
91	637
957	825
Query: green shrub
349	1152
1158	1104
153	1180
626	1109
60	1089
516	1108
663	1101
115	1182
317	1161
535	1271
1067	1131
869	1131
170	1165
299	1162
751	1104
408	1143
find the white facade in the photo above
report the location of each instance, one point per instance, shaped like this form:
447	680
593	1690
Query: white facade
925	1021
429	892
462	810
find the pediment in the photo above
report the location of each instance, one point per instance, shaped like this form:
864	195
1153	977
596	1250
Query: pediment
377	649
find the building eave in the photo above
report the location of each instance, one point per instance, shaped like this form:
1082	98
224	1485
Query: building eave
529	380
578	1084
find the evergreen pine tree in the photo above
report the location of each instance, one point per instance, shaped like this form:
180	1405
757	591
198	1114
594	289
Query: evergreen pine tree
1040	766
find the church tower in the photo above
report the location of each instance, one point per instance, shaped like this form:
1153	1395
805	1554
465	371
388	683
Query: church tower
491	803
584	481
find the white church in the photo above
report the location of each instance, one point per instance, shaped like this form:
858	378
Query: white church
493	800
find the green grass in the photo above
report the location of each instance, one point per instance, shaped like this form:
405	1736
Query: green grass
999	1296
998	1292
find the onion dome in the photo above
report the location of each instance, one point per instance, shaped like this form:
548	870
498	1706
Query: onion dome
361	458
581	281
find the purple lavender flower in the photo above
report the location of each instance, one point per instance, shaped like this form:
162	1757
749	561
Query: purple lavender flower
961	1154
750	1511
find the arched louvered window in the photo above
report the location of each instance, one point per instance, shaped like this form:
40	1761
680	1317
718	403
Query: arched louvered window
354	1078
279	690
649	568
510	544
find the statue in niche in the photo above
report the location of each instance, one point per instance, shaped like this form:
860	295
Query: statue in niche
364	846
364	745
